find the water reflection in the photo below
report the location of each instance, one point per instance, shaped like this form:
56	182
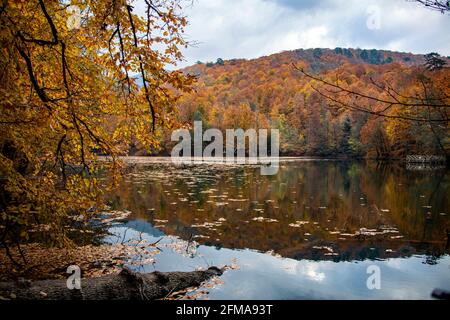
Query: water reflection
315	210
265	276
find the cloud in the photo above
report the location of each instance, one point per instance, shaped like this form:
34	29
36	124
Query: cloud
253	28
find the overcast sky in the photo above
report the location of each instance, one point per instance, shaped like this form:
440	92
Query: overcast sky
253	28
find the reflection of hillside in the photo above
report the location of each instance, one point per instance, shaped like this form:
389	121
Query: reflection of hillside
361	250
340	206
416	200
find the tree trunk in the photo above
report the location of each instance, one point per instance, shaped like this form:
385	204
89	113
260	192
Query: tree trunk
127	285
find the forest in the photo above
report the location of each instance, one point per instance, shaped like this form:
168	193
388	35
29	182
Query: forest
270	92
90	93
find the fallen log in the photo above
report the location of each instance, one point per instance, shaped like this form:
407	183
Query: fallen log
127	285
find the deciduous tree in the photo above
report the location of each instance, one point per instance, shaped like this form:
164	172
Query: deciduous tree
69	93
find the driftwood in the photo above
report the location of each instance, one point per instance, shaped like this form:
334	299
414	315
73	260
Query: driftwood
127	285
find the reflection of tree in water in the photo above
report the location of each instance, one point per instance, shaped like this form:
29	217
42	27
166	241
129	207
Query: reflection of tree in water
431	259
415	199
336	199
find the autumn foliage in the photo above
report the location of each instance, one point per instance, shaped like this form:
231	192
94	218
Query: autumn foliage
69	93
317	119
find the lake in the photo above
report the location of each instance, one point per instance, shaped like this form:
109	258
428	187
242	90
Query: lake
316	230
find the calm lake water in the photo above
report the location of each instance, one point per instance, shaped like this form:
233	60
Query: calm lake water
310	232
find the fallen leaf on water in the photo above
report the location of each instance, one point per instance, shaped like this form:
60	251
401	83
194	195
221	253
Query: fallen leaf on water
262	219
298	224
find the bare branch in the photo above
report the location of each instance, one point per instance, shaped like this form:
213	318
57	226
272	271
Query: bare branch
141	67
442	6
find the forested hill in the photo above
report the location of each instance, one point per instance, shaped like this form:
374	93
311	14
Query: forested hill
322	59
269	92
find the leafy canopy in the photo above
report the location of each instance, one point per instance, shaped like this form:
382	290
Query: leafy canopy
70	92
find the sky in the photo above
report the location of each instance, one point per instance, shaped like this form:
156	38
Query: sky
253	28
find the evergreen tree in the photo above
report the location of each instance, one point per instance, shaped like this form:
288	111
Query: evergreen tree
346	133
434	61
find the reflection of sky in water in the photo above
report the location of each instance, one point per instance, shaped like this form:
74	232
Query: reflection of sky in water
262	276
313	213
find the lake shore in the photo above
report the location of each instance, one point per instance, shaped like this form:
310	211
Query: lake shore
104	278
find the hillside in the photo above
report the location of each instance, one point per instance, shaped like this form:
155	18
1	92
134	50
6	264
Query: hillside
269	92
324	59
